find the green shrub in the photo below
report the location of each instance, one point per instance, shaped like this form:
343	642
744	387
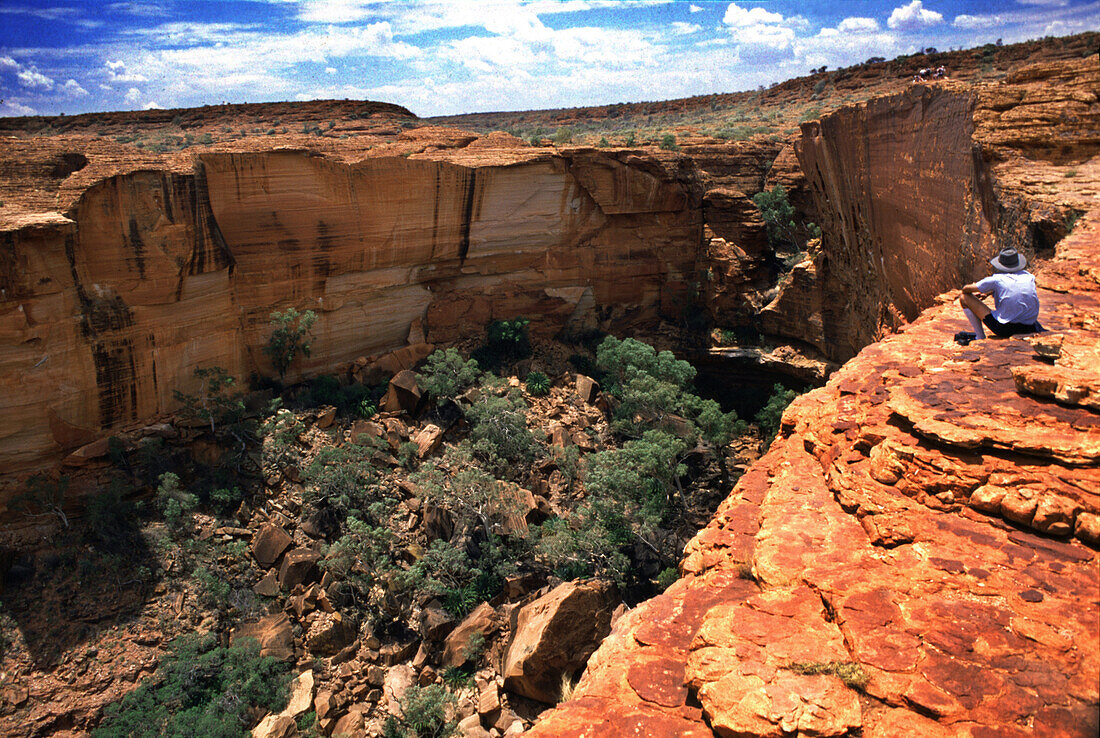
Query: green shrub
446	375
780	218
408	455
506	341
217	402
289	337
446	572
175	503
200	689
43	497
499	436
631	492
668	142
771	415
563	135
425	713
538	384
650	387
279	435
361	559
341	478
214	590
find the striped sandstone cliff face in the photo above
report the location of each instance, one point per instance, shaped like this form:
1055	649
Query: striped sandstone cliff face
110	305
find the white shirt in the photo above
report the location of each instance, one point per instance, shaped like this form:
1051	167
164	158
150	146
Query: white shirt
1014	297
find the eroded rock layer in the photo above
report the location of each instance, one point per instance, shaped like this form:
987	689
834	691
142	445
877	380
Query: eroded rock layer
915	555
108	308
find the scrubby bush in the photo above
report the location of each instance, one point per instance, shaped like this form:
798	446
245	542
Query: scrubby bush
362	558
216	403
289	337
668	142
426	712
499	436
446	375
200	689
175	503
780	218
341	478
770	416
653	389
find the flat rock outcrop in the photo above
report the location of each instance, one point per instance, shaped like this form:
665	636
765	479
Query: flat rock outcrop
915	555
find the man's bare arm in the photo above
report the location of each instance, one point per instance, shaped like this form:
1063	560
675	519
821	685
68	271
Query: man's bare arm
972	289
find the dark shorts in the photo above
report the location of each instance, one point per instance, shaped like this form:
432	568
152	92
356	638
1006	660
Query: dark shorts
1004	330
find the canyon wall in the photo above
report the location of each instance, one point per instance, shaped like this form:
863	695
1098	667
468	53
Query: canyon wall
916	554
108	308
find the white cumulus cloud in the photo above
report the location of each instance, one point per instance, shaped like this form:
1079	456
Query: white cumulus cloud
73	88
858	25
913	16
695	8
133	95
34	79
740	17
11	107
6	62
970	22
119	74
152	106
683	29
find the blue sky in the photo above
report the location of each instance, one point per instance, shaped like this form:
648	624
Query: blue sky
468	55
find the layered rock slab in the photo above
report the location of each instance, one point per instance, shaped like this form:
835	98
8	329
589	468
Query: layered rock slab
905	580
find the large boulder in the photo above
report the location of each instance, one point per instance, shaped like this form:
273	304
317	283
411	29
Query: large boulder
273	633
554	635
457	646
269	544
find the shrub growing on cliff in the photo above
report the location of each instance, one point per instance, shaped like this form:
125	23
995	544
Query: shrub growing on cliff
668	142
202	689
289	338
770	416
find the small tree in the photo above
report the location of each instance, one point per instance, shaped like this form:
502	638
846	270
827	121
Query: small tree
289	337
668	142
771	414
779	217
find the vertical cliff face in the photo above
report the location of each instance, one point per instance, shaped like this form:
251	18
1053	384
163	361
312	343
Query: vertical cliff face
915	191
151	274
897	187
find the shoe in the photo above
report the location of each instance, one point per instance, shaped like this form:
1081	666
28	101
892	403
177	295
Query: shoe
963	338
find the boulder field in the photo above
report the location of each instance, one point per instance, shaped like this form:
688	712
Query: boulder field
915	555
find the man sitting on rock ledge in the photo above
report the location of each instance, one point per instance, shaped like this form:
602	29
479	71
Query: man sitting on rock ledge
1015	301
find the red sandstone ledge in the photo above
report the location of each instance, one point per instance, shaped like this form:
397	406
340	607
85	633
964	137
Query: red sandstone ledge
915	555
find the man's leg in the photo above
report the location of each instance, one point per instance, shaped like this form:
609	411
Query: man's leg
974	310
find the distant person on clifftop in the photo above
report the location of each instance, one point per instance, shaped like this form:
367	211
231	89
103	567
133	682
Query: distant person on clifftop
1015	300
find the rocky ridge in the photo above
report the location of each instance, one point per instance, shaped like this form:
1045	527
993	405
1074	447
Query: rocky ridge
915	555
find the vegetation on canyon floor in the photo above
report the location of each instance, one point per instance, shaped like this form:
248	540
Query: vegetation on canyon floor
506	492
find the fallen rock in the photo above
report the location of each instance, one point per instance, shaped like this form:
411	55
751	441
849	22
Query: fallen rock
427	440
298	567
554	635
269	544
273	633
276	726
301	694
403	394
455	648
329	633
587	388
